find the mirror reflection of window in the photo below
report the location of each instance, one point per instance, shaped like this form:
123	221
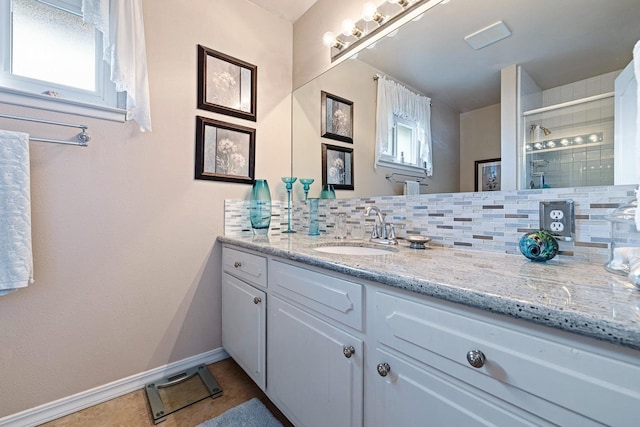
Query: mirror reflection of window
403	130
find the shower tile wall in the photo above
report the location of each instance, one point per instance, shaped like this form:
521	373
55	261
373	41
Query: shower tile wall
490	221
584	166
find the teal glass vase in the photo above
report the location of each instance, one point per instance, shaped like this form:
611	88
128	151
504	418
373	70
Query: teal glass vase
260	207
314	220
327	192
539	246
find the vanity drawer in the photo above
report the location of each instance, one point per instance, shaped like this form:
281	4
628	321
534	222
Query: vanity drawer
517	363
249	267
336	298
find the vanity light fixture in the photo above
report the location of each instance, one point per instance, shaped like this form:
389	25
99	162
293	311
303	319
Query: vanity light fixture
330	40
374	22
349	28
370	13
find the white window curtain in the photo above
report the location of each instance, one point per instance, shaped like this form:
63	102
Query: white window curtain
396	100
122	27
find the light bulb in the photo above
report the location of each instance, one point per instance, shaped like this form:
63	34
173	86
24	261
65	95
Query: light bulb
593	137
564	142
329	39
551	144
370	13
538	145
349	28
578	140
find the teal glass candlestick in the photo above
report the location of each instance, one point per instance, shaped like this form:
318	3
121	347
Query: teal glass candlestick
306	184
288	182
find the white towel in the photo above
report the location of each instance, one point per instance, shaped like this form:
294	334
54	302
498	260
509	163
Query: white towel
411	188
16	257
636	70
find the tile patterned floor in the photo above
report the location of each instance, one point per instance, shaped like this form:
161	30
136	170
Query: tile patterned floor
132	410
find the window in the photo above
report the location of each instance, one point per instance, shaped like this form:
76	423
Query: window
403	147
52	59
403	130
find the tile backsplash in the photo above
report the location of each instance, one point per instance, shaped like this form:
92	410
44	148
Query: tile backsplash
490	221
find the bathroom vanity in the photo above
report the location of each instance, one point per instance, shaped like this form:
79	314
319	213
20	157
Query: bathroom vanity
430	337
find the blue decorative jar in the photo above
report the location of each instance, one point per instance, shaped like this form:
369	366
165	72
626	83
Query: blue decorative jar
539	246
314	220
260	207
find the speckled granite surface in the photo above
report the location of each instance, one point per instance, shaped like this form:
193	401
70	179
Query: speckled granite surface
562	293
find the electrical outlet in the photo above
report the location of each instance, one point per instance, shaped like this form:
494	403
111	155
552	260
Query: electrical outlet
557	216
557	226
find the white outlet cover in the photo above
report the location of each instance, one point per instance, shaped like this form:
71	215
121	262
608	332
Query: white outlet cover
556	214
557	226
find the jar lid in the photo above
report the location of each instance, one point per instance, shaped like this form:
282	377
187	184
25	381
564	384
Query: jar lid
625	213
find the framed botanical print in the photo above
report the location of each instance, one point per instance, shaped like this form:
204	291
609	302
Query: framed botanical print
226	85
337	166
224	151
337	118
488	175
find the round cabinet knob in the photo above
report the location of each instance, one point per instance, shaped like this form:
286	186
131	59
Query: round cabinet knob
237	264
476	358
257	300
384	369
348	351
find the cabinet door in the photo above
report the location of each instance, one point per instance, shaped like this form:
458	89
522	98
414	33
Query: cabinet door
417	395
244	327
310	377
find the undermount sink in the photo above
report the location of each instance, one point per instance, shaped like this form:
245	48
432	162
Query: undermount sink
354	250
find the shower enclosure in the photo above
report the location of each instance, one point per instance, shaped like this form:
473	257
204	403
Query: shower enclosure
567	138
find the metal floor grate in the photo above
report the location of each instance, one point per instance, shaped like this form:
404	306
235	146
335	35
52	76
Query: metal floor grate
180	390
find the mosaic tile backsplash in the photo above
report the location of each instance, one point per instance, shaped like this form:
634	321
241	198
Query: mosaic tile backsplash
488	221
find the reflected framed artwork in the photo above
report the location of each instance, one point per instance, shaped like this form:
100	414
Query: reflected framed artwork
224	151
337	166
226	85
488	175
336	118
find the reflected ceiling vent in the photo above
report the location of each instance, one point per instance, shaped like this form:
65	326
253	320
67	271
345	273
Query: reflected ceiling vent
488	35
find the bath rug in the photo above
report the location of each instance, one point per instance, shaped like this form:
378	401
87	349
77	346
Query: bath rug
251	413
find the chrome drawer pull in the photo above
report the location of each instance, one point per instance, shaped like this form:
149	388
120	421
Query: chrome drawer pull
237	264
476	358
348	351
384	369
257	300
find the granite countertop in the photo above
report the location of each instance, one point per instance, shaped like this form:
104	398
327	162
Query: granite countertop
565	294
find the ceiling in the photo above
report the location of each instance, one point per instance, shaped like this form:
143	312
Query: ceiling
290	10
556	42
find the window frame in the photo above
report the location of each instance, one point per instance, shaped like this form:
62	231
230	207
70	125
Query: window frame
104	102
393	160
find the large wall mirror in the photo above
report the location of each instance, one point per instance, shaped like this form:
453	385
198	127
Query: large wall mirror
577	46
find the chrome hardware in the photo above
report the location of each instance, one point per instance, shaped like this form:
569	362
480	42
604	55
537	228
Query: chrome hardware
257	300
237	264
379	233
384	369
348	351
476	358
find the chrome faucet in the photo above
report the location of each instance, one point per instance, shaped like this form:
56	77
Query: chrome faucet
379	233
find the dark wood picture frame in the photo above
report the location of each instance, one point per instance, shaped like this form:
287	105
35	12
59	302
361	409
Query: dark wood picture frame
336	121
222	84
337	166
224	151
488	174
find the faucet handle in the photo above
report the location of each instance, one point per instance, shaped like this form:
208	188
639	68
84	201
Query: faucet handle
375	234
392	232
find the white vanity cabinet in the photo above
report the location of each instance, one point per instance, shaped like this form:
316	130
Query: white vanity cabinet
346	352
244	311
460	365
315	355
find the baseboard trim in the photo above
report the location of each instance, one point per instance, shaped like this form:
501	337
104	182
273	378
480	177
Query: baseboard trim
67	405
